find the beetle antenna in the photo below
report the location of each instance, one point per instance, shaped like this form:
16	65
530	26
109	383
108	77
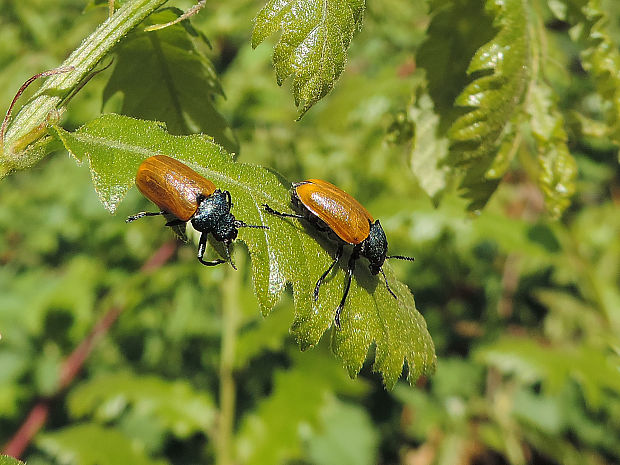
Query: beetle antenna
230	257
241	224
402	257
386	283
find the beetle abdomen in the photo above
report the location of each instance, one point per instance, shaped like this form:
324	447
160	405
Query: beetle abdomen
344	215
172	186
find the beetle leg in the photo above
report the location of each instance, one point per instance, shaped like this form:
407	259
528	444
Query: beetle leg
324	275
241	224
268	209
228	200
402	257
202	246
229	256
137	216
350	269
176	222
386	283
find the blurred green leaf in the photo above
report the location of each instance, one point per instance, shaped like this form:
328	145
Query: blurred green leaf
346	438
266	334
313	47
532	362
116	145
90	444
177	406
273	432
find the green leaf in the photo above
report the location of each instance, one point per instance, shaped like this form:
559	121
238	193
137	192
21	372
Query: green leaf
348	436
313	47
532	362
267	435
446	53
164	76
558	168
500	73
429	149
90	444
600	56
116	145
268	334
6	460
176	405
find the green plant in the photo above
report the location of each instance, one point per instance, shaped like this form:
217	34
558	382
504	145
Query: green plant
435	110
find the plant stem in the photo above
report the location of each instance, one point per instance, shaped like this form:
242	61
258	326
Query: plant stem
34	115
230	320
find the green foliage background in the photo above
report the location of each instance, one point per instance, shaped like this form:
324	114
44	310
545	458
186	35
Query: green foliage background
524	309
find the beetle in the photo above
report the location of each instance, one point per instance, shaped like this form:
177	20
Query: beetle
181	192
344	219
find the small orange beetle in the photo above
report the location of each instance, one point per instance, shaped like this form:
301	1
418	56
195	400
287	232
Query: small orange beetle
334	211
178	190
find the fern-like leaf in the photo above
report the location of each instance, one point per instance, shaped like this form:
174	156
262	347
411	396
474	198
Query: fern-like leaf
558	168
313	47
500	70
600	56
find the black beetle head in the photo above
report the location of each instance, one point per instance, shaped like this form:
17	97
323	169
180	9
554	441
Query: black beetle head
374	247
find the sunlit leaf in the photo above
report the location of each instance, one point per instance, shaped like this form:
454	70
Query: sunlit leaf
288	251
500	73
313	47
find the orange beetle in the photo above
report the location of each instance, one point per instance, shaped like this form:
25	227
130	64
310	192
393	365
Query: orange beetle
178	190
334	211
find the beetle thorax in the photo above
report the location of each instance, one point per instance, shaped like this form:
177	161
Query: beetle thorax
213	216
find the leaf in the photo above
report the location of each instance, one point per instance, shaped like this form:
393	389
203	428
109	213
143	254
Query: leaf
289	251
266	335
175	404
500	72
6	460
164	76
266	435
600	56
429	149
594	370
348	436
558	169
90	444
313	47
446	53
